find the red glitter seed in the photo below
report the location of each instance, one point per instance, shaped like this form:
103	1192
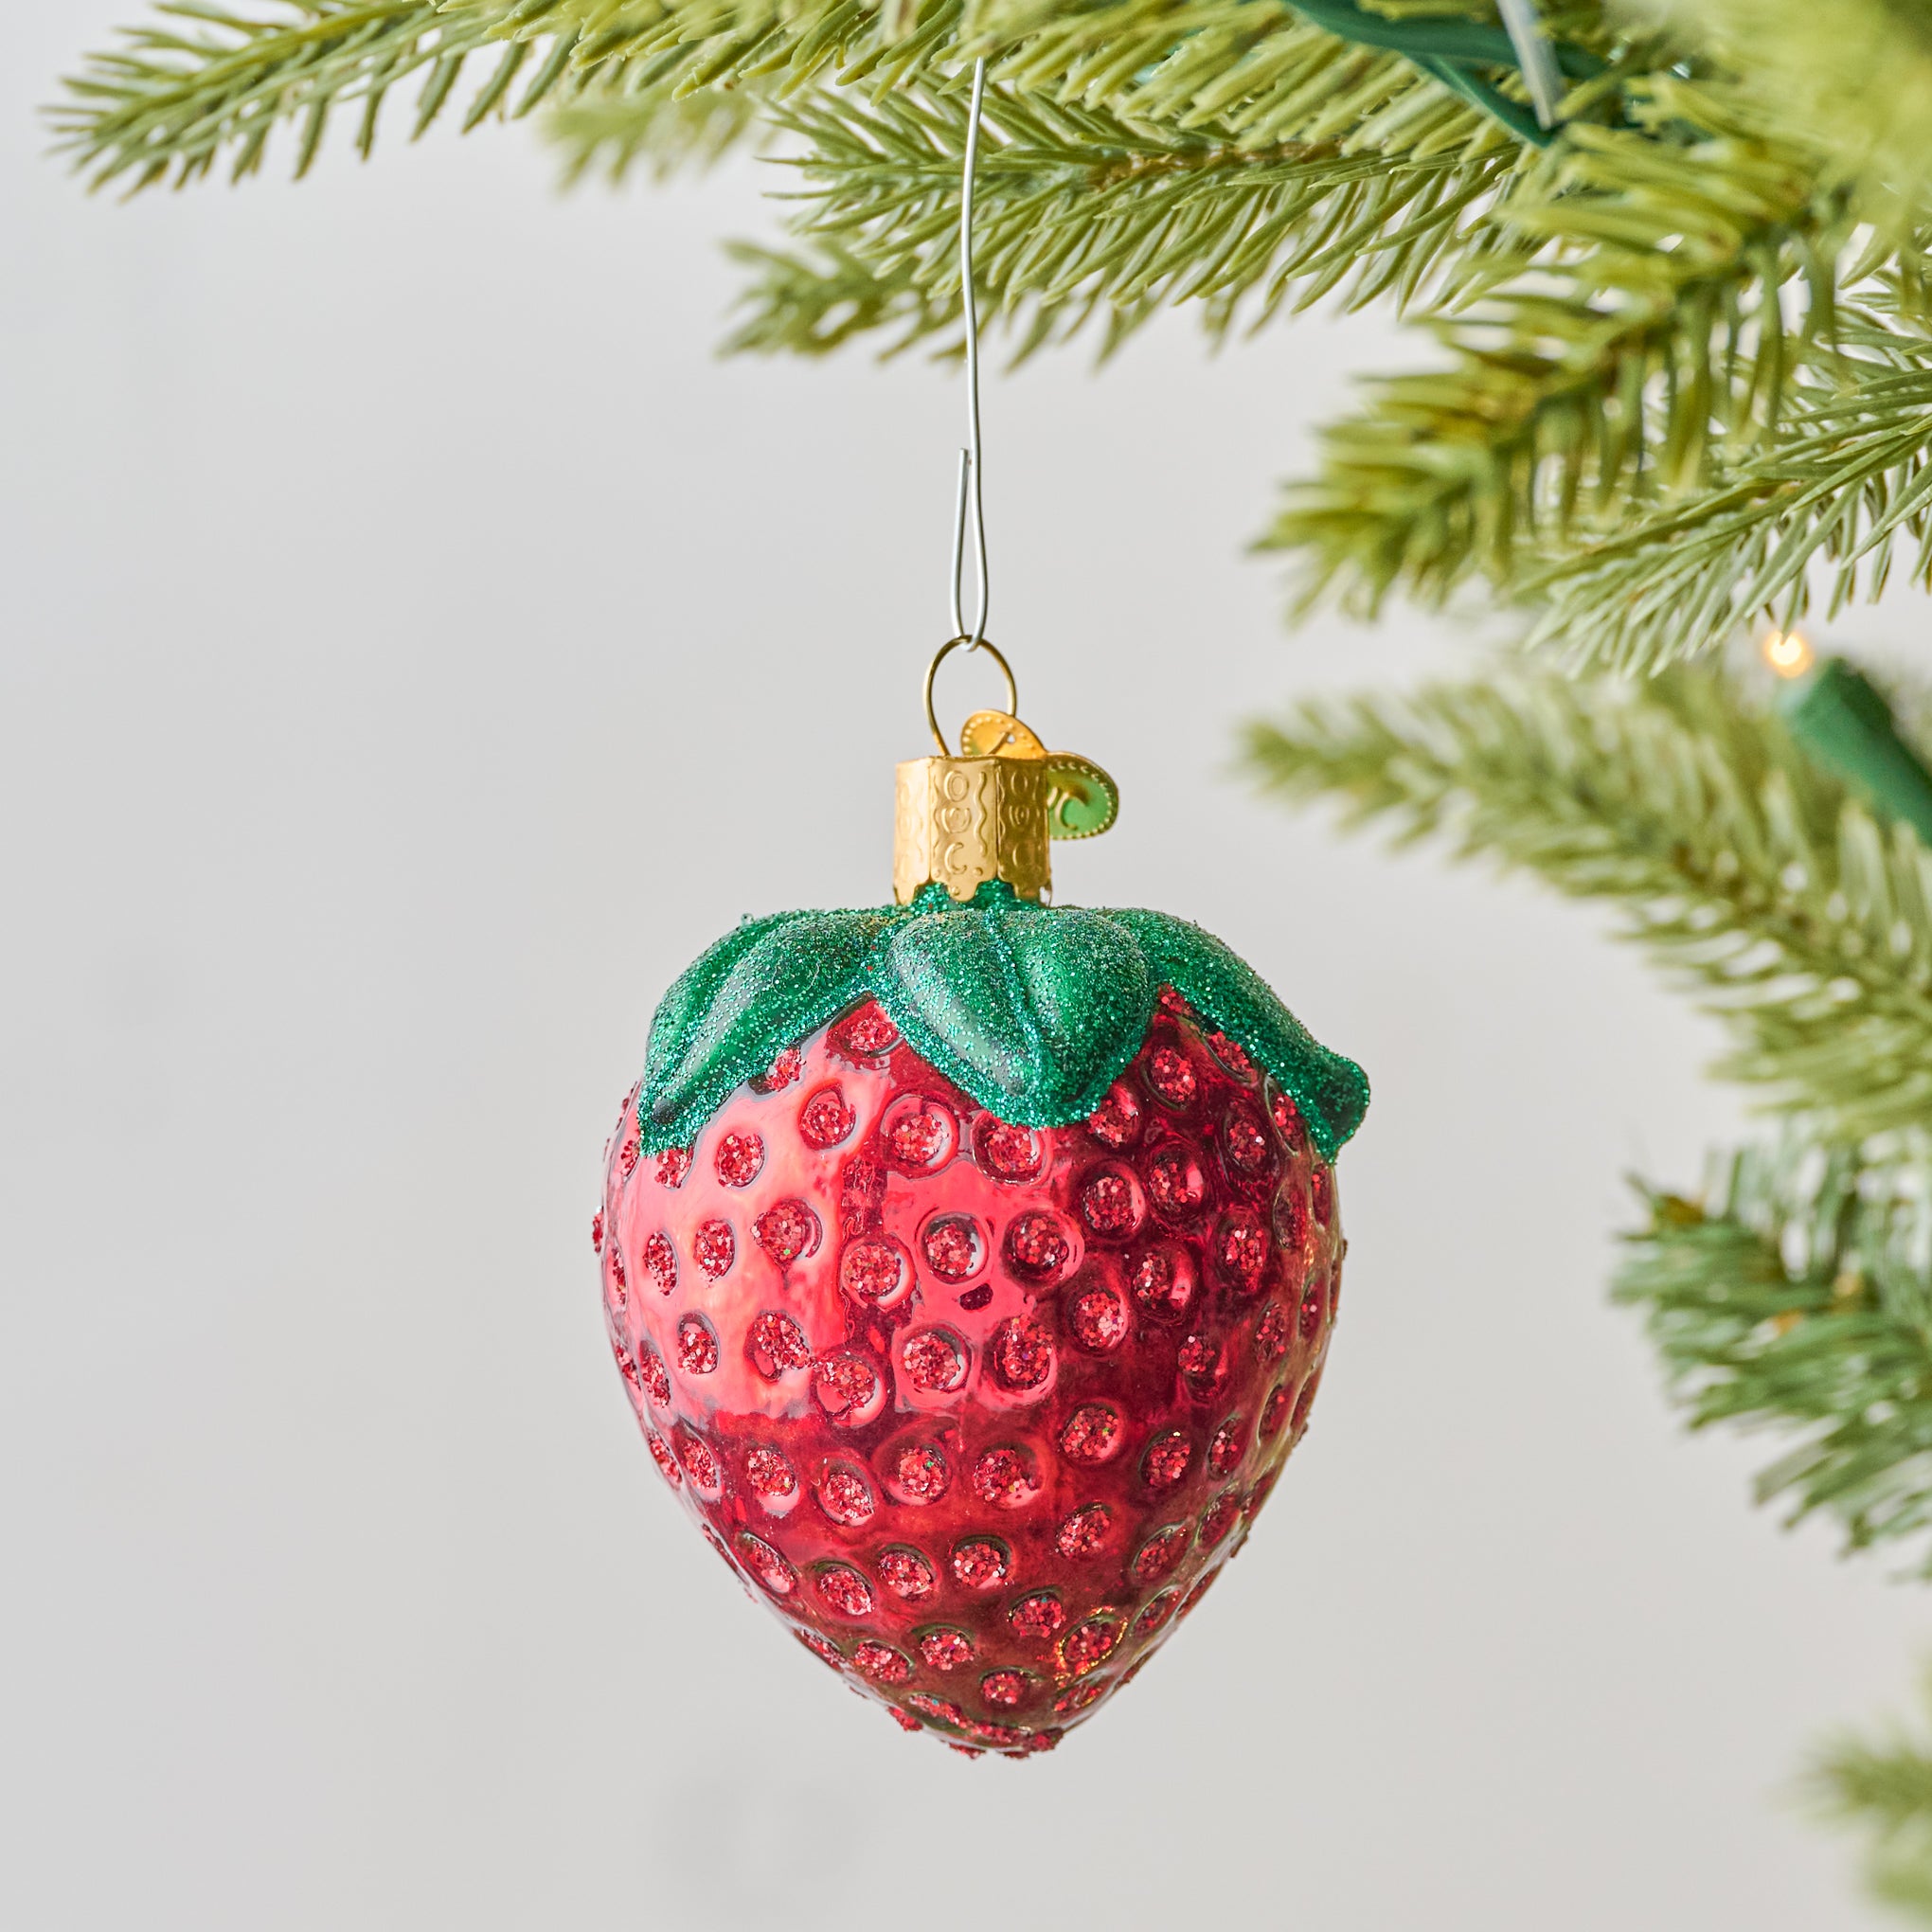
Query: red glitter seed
666	1464
1221	1516
1303	1403
1275	1412
920	1474
1234	1056
770	1474
1111	1204
903	1719
1273	1333
1085	1534
739	1157
1199	1357
652	1373
1200	1590
1241	1250
1078	1698
848	1388
1004	1689
1039	1616
1159	1553
1098	1317
881	1663
1038	1246
783	1071
976	1298
934	1360
846	1497
821	1647
906	1574
1321	1194
674	1164
626	1368
700	1464
714	1247
1313	1307
844	1591
1115	1122
946	1650
1163	1284
875	1271
1172	1077
1091	1434
1155	1612
615	1294
697	1346
766	1565
627	1158
597	1232
1002	1737
1004	1479
955	1249
937	1707
1021	1352
1006	1152
787	1232
1225	1451
918	1135
981	1563
1245	1140
1166	1462
660	1262
1174	1182
1291	1218
1090	1644
865	1034
1287	1120
775	1343
824	1119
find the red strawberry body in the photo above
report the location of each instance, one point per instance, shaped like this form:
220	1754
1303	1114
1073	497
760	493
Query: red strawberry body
978	1410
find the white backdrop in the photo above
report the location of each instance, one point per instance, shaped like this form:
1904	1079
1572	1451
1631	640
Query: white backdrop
418	646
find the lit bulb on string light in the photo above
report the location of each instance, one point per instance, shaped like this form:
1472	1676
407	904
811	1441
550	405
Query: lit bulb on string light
1845	726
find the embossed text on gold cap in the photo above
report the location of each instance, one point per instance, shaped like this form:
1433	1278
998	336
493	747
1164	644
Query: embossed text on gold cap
961	821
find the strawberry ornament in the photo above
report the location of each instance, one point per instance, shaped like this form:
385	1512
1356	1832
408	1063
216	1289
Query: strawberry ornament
970	1262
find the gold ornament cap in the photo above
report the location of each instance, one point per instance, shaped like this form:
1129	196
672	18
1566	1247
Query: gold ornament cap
990	811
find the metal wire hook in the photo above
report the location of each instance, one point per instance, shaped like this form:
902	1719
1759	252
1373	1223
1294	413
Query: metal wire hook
970	464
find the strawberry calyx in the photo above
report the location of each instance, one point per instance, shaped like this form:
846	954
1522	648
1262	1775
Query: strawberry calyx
1032	1009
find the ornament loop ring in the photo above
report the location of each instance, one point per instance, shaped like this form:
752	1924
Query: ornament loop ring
940	656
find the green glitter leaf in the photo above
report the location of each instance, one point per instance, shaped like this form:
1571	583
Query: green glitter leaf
1032	1009
1331	1091
769	983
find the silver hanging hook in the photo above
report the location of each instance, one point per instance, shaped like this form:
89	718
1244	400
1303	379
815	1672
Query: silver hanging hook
970	466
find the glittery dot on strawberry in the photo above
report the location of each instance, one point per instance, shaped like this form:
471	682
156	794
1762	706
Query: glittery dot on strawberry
971	1265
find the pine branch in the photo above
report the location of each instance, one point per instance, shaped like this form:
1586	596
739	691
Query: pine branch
1079	213
1745	871
1801	1299
1854	79
1626	328
169	102
1883	1787
641	115
171	99
1850	476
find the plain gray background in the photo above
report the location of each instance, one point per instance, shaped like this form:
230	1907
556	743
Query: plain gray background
418	645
